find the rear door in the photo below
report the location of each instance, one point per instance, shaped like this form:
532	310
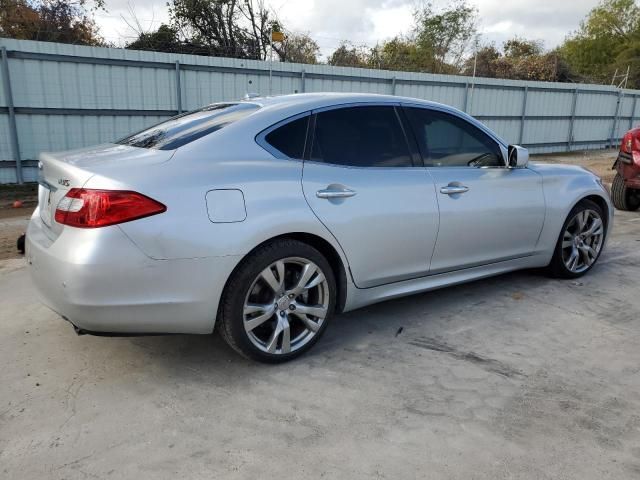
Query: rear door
361	182
488	212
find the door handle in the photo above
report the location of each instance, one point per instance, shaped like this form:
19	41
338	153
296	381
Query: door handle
453	189
335	192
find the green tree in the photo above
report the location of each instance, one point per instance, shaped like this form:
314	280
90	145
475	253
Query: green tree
164	39
398	54
227	28
607	39
436	44
348	55
298	48
522	60
167	39
483	63
64	21
519	48
444	37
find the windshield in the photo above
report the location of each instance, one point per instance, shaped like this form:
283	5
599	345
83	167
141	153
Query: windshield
186	128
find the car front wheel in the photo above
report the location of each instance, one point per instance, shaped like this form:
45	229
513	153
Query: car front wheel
580	242
278	302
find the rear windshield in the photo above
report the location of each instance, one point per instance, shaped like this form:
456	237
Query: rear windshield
186	128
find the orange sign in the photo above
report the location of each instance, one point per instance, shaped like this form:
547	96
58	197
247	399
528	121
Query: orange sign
277	36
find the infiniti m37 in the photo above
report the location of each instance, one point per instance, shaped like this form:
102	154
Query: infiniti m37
265	218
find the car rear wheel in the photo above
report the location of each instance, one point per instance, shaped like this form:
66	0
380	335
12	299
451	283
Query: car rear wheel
623	197
278	302
580	242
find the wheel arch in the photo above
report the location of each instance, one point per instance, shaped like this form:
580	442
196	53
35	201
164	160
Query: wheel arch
332	255
601	202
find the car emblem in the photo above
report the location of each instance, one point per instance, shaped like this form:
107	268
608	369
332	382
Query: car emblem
65	182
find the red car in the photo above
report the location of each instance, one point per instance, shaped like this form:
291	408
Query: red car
625	190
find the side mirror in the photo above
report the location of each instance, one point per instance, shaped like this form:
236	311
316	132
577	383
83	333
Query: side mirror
518	156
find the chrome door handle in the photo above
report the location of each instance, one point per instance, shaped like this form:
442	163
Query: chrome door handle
335	193
453	189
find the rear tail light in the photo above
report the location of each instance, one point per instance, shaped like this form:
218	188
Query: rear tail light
631	141
86	208
627	143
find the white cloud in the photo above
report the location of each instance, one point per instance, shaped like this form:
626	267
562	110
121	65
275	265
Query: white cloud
371	21
547	20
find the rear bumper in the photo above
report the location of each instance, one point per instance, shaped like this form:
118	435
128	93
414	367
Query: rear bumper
101	282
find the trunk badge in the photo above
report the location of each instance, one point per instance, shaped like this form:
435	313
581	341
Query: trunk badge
65	182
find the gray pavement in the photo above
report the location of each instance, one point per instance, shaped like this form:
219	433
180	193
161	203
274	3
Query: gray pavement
513	377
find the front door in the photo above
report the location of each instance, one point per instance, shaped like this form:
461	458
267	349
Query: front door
361	183
488	212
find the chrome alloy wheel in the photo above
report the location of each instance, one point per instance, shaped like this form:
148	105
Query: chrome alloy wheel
582	240
286	305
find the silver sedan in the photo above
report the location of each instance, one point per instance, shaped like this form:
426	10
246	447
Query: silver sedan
266	217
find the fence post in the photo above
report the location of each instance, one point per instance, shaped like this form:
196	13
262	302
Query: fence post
572	119
523	114
466	97
302	85
178	88
393	85
13	129
633	111
615	119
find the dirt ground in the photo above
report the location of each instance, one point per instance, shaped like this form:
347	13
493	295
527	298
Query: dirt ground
13	221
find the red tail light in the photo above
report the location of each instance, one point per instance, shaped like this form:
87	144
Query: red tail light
85	208
627	143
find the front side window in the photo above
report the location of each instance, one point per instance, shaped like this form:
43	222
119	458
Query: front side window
290	138
186	128
367	136
446	140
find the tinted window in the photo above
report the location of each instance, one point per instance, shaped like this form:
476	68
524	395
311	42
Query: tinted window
290	138
361	137
449	141
185	128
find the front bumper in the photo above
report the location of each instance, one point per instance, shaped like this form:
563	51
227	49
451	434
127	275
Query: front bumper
100	281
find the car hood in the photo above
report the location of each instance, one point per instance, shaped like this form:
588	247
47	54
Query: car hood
559	169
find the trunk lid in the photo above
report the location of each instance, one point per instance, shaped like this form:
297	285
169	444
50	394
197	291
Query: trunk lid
60	172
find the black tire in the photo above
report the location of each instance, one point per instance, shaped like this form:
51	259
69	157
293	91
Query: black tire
230	322
557	267
623	197
20	243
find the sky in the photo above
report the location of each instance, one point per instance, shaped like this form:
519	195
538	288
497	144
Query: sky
366	22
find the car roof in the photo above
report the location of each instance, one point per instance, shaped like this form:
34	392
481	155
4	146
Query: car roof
279	107
318	100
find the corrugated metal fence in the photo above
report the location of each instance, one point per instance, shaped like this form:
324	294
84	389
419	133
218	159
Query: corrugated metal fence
56	97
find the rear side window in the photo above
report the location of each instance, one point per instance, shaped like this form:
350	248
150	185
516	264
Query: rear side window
186	128
290	138
360	137
449	141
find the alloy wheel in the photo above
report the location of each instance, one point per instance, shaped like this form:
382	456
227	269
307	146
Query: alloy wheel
286	305
582	240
